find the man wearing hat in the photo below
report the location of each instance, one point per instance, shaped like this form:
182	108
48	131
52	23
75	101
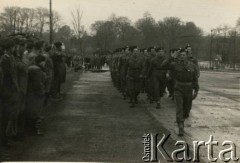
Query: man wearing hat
133	74
158	75
186	87
151	52
190	57
171	75
122	66
143	57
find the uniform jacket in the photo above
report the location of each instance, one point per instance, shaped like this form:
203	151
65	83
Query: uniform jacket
9	74
134	67
36	80
59	65
155	67
185	72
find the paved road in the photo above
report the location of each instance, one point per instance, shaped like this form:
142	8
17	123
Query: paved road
93	123
215	112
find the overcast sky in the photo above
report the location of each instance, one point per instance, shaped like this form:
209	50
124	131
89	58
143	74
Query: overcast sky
206	14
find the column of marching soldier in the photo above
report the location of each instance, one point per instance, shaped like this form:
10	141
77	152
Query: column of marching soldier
151	71
30	73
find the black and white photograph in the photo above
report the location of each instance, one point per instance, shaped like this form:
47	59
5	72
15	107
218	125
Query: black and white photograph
120	81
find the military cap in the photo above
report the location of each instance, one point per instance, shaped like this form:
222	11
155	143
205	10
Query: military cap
126	47
160	48
187	46
182	50
58	44
131	48
150	48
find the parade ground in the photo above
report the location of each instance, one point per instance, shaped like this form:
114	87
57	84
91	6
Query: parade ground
93	122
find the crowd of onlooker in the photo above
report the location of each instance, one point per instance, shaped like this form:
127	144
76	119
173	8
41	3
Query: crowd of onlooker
31	72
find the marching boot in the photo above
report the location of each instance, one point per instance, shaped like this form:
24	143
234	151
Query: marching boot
181	129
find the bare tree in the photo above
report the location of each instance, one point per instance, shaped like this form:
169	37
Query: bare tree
41	15
78	28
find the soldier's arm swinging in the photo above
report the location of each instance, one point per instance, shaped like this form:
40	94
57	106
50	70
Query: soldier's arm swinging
195	83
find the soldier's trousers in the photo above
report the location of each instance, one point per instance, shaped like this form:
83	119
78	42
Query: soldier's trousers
133	88
183	95
150	88
123	84
159	87
170	86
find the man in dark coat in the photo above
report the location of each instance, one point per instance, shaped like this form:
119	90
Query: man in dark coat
59	67
35	95
9	91
21	70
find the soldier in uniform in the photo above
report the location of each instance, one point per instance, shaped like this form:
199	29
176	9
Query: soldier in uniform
158	74
122	66
59	67
190	57
150	92
171	75
143	57
186	87
133	70
10	91
3	154
35	95
49	71
21	70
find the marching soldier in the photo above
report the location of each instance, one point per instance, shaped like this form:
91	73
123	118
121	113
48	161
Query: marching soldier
186	87
171	75
122	66
158	75
133	70
190	57
150	92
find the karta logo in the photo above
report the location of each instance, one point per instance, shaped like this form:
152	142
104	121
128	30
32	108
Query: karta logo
153	148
